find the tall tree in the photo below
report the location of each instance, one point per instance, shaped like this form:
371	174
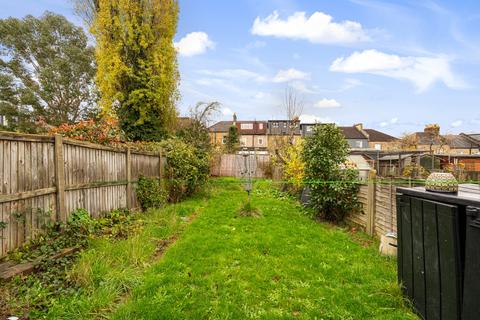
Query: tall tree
232	140
137	65
333	186
47	69
15	114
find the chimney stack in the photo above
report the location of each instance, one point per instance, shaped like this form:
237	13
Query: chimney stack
234	118
359	127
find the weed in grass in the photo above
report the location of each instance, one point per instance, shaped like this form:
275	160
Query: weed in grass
248	210
35	294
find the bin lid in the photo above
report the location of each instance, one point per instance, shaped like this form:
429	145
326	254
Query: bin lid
468	194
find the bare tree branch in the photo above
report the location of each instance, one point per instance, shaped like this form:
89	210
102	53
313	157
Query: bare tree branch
204	111
293	104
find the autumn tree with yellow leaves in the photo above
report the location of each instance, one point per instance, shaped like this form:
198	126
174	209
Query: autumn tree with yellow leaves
137	72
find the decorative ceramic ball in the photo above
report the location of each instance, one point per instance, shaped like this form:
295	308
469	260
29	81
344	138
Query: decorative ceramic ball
441	182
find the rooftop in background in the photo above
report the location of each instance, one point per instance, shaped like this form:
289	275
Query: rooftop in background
244	127
461	141
378	136
475	136
221	126
353	133
281	127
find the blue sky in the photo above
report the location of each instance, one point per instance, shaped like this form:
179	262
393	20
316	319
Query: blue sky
392	65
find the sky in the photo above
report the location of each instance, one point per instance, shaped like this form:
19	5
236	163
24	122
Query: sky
391	65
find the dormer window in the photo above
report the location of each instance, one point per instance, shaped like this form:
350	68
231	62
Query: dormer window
246	126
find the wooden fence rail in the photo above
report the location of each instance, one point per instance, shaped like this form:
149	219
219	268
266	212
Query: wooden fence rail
44	178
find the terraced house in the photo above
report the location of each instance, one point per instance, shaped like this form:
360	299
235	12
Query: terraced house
252	134
268	135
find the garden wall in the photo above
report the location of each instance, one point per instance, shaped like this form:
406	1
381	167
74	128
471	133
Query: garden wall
45	178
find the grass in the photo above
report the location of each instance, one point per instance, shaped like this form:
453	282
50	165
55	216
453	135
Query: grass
281	265
222	265
110	268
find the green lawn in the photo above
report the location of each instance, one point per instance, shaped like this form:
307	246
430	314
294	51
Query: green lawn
282	265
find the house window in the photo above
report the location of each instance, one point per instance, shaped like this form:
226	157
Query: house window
378	146
224	139
246	126
243	141
275	124
284	124
260	141
260	126
359	144
309	128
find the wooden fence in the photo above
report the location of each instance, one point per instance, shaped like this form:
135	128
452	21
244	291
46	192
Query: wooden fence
379	211
231	165
45	178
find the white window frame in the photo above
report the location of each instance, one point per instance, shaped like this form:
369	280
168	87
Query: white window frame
359	144
246	126
243	141
378	146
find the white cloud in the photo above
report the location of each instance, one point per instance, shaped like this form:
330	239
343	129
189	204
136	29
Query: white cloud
310	118
383	124
227	111
423	72
327	103
193	44
390	122
318	28
301	87
290	74
457	123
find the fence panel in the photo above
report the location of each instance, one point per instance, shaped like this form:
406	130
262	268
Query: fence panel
42	175
230	165
384	209
360	218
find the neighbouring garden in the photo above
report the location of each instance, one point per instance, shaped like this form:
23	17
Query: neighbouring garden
202	259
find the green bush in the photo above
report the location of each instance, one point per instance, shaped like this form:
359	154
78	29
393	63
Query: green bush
150	193
187	168
334	188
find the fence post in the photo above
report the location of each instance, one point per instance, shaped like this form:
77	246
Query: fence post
60	179
371	203
129	178
160	169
